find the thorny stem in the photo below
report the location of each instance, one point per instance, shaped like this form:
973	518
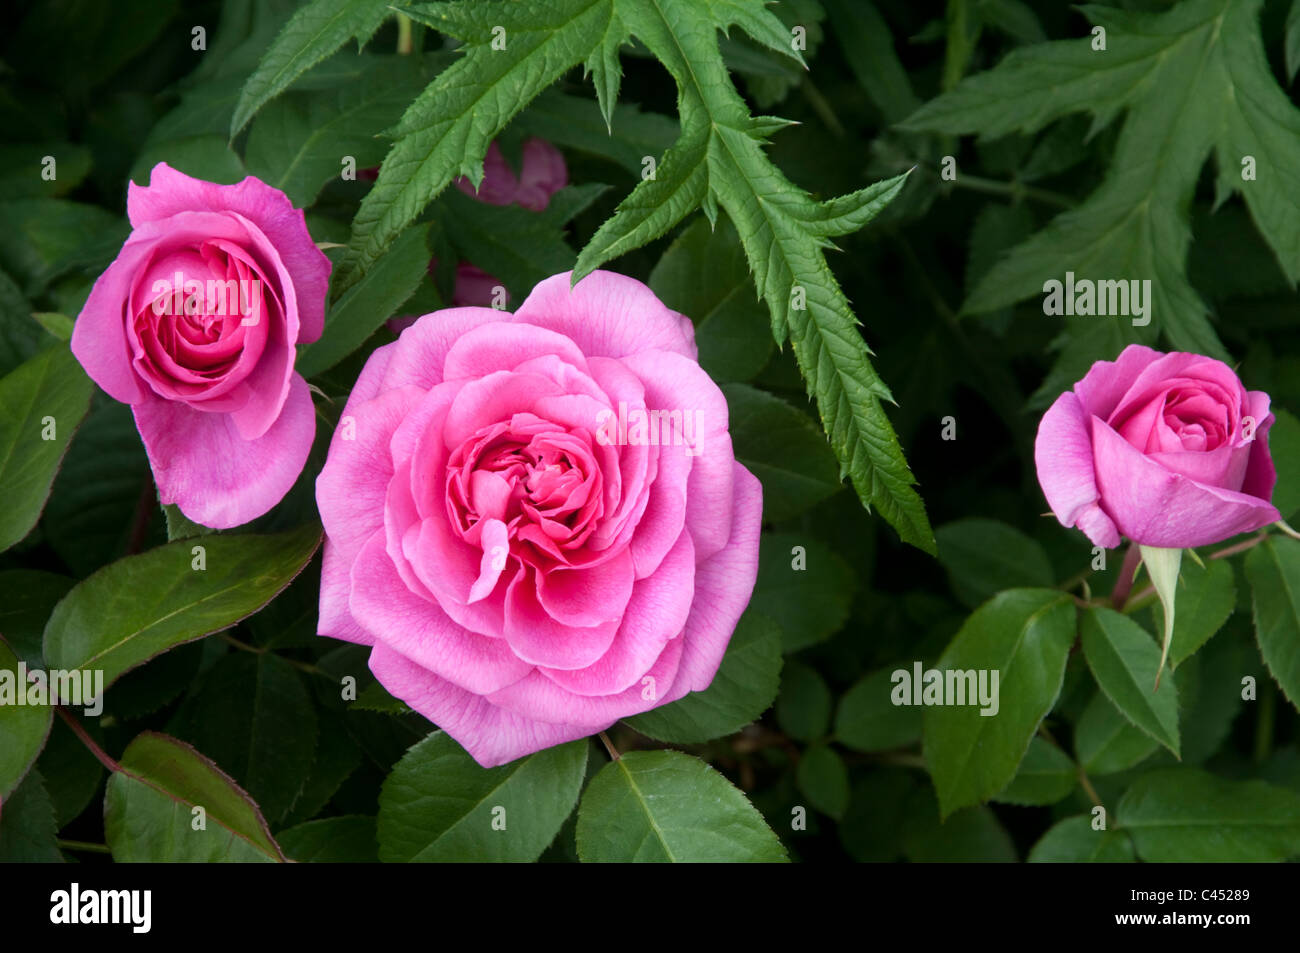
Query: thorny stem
1013	190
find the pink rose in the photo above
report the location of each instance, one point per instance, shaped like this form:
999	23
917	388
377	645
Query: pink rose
194	325
542	173
526	567
1169	450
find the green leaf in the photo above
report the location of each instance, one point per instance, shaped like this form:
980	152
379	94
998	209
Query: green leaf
803	586
971	835
44	239
299	141
575	122
704	276
1293	41
1106	742
744	687
1045	776
865	40
1206	597
1073	841
784	448
1193	80
23	728
439	805
824	780
984	556
27	597
349	839
41	405
445	132
1284	446
71	772
1184	815
1273	569
150	810
368	304
254	717
91	516
657	806
141	606
28	828
1024	635
207	157
867	719
803	709
1124	659
58	325
313	33
180	526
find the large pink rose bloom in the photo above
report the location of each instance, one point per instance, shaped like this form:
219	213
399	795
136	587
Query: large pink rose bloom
527	570
194	325
1169	450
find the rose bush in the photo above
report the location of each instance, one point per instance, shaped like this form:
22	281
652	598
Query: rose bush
195	324
526	571
1169	450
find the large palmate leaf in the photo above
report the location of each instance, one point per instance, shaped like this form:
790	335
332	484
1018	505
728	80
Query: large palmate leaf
1194	80
515	51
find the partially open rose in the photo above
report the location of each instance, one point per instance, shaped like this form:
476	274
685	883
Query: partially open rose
1169	450
536	519
195	324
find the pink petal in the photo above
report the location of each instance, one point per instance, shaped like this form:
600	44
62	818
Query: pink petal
540	640
1156	507
607	315
216	477
723	585
418	629
656	614
170	192
1106	382
1261	476
491	735
503	346
419	354
1063	456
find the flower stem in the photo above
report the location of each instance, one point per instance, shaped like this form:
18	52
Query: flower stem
609	746
85	739
1127	573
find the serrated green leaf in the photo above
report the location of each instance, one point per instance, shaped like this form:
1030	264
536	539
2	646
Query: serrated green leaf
1124	659
315	31
1024	635
1045	776
1184	815
141	606
150	809
1273	569
1106	742
439	804
1206	597
1193	80
41	405
746	683
28	828
657	806
1073	841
